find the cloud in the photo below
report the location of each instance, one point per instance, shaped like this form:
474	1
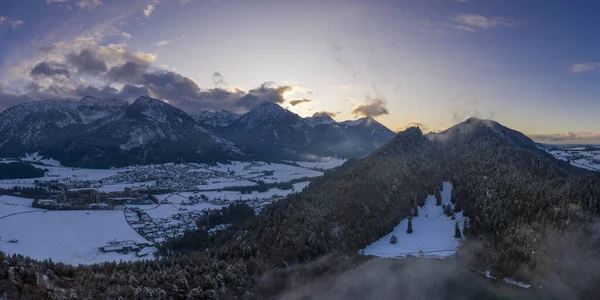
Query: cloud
10	22
375	107
585	67
472	22
571	137
126	35
83	4
184	93
128	92
161	44
413	124
150	9
128	72
299	101
87	62
8	99
218	79
50	69
324	113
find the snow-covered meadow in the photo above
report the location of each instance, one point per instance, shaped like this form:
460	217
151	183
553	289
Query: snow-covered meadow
71	237
433	232
579	157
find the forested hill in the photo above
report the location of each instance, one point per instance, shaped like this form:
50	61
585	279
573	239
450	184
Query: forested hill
524	206
531	217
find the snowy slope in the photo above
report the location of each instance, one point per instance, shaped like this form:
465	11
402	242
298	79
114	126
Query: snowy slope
71	237
432	232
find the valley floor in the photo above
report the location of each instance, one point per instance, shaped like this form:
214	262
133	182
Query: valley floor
76	236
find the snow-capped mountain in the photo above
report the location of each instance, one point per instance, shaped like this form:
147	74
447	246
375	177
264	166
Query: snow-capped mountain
216	119
147	131
97	132
272	132
39	124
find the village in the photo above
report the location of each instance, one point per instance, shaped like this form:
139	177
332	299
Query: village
145	205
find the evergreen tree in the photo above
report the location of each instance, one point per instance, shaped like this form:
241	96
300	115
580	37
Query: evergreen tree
457	233
409	230
393	240
416	210
438	198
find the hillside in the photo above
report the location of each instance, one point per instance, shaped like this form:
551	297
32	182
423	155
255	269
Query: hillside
524	206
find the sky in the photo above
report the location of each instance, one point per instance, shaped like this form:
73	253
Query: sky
531	65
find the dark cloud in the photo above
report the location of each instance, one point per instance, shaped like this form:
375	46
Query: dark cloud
299	101
87	62
324	113
218	79
376	107
50	69
169	85
265	92
128	72
184	93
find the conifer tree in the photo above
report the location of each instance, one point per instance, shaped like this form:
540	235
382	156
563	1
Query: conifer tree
416	210
438	198
393	240
409	229
457	233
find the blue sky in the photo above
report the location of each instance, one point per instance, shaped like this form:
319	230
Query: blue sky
531	65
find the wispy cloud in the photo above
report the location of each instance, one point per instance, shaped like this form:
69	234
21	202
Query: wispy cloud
161	44
150	9
585	67
11	22
473	22
126	35
79	3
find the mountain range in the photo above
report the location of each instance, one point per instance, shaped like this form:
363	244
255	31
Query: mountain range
102	133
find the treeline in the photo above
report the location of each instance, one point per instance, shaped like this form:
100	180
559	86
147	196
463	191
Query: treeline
19	170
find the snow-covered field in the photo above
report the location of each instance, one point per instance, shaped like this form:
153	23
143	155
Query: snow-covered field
433	232
322	165
579	157
71	237
12	205
258	171
167	210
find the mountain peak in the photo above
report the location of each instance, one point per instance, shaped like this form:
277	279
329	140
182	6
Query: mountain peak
145	99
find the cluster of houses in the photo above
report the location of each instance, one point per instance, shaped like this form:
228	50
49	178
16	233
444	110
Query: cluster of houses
126	247
91	198
159	230
174	177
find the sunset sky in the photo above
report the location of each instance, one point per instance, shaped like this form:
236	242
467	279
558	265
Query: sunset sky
531	65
